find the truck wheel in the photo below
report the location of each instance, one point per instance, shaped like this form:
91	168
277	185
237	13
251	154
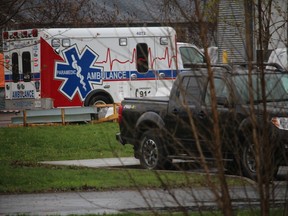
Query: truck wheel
152	151
248	162
233	168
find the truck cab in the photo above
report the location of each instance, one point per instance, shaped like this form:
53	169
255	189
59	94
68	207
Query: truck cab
212	118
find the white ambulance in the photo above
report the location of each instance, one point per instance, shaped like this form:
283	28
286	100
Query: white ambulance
68	67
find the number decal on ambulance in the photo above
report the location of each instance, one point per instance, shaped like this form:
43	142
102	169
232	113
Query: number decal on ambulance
142	93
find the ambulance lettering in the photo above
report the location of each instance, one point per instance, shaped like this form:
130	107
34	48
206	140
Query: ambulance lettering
23	94
116	75
78	72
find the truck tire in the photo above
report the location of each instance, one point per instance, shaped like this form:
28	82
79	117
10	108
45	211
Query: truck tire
233	167
152	152
248	162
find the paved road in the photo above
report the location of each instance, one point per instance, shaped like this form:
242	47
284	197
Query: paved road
123	201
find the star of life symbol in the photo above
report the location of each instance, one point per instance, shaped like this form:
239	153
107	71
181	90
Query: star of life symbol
78	72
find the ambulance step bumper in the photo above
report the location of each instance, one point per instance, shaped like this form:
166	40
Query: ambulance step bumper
57	115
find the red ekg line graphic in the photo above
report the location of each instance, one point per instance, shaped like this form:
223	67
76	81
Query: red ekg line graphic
133	59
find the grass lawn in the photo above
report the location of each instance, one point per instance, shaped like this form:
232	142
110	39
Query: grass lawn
21	149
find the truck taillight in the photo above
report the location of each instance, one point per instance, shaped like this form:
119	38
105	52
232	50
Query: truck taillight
120	110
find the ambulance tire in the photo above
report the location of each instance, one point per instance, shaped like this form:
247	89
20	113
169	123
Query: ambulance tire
99	99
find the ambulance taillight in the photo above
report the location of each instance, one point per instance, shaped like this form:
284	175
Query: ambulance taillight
15	34
34	33
24	34
5	35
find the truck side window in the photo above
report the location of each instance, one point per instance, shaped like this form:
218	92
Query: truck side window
284	81
26	64
221	90
142	57
15	67
192	90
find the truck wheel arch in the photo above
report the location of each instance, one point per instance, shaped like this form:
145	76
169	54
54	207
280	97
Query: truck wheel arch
244	126
98	93
245	146
147	121
151	117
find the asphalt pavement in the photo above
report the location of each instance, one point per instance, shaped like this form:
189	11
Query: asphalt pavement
193	199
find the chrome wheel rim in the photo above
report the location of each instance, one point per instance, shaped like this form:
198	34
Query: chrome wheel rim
250	159
99	102
150	153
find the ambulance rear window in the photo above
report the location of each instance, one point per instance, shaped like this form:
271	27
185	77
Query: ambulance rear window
142	57
15	67
26	64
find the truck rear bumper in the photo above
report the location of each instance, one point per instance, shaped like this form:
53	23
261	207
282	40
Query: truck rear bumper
120	139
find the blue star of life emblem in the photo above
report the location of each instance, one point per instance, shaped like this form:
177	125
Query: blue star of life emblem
78	72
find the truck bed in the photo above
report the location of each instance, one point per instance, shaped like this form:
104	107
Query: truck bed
154	99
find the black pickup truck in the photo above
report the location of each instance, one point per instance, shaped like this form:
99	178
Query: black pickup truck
231	103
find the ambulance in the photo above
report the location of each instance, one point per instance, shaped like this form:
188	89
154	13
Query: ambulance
1	72
75	67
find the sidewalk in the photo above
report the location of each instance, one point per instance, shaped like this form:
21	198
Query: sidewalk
94	163
131	161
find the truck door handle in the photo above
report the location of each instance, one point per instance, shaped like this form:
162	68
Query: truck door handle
201	115
175	111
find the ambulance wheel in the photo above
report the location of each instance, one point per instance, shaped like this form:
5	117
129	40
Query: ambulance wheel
98	100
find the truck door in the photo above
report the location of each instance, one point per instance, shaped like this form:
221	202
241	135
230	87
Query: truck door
185	113
227	117
142	79
191	118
